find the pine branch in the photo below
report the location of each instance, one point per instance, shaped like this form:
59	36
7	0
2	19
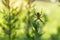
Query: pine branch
8	19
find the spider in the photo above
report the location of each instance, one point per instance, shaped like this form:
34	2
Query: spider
38	15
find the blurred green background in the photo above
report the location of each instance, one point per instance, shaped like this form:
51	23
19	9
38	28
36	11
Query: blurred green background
29	19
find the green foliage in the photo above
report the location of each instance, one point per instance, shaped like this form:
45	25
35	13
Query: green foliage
33	21
10	22
56	36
